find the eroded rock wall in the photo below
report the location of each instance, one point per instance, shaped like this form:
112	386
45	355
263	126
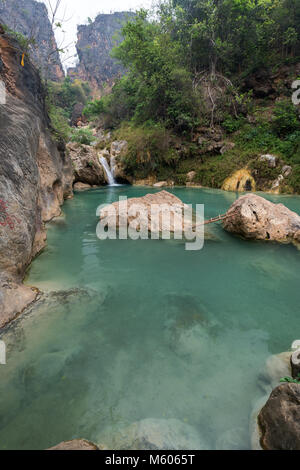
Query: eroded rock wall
94	45
30	18
35	176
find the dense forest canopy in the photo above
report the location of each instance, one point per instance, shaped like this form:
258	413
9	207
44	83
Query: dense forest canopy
188	42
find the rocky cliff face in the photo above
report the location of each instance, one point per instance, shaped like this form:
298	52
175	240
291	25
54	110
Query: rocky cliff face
35	176
94	45
31	19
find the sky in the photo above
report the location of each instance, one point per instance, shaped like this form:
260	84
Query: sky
77	12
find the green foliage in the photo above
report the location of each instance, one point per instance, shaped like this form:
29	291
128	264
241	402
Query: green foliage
82	136
157	85
285	119
24	41
215	170
263	137
59	123
149	149
293	181
291	380
93	109
232	124
66	94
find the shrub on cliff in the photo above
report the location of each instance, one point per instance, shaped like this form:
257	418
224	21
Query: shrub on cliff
59	123
82	136
149	148
67	93
285	120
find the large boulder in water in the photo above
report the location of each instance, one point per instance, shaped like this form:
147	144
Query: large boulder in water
254	217
279	420
151	204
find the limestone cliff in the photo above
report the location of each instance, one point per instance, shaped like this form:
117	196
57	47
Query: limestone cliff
30	18
94	45
35	176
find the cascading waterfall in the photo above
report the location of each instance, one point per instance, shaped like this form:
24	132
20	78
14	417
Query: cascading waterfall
112	165
109	173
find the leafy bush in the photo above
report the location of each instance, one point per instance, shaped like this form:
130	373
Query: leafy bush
285	120
25	42
93	109
59	123
291	380
82	136
232	124
66	94
149	148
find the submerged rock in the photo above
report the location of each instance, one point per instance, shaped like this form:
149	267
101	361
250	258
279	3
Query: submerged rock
254	217
13	300
279	420
81	186
232	439
277	366
241	180
75	444
159	434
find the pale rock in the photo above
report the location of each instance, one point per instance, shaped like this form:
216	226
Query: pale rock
254	217
226	147
81	186
286	170
150	203
160	184
270	159
191	176
276	184
75	444
118	148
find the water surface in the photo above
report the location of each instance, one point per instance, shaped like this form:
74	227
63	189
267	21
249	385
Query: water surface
130	331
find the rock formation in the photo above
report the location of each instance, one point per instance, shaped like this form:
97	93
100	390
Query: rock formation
279	419
94	45
241	180
30	18
86	165
150	219
254	217
276	367
35	176
75	444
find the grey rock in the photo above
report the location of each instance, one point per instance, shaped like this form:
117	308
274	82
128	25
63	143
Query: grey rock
35	176
31	17
270	159
286	170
